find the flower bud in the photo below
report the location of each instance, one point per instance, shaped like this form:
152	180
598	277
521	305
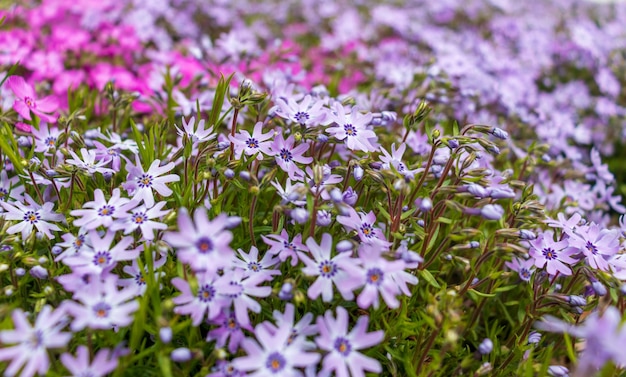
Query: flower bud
180	355
599	288
323	218
165	334
20	271
39	272
358	173
485	347
425	205
534	337
344	246
576	300
492	212
229	173
322	138
299	215
526	234
499	133
350	197
558	371
286	292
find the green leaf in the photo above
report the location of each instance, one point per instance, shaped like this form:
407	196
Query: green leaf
429	278
481	294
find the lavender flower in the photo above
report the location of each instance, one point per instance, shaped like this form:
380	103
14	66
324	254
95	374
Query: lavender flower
287	155
31	215
553	255
207	302
102	212
142	183
252	144
103	363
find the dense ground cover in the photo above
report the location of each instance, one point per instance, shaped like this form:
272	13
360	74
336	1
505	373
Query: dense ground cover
216	188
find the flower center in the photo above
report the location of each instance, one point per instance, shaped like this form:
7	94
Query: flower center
591	248
349	129
327	269
342	345
368	230
144	181
106	210
78	242
139	279
102	309
275	362
301	117
231	324
252	143
549	253
139	218
102	258
50	141
286	155
524	273
30	102
254	266
32	217
206	293
374	276
289	245
204	245
36	339
3	194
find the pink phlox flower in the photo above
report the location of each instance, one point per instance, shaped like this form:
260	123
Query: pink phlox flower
203	244
281	245
32	342
596	243
258	143
308	113
103	255
102	306
352	128
104	362
252	265
342	347
26	101
287	155
101	211
31	215
144	182
555	256
329	270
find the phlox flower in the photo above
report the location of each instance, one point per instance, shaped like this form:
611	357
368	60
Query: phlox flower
202	244
208	302
32	342
102	306
342	346
271	354
103	255
328	270
26	101
352	128
101	211
281	245
258	142
103	363
597	244
73	245
229	331
287	155
292	193
250	263
10	188
327	178
304	328
138	280
46	138
554	255
108	155
225	368
196	133
524	267
244	289
142	183
364	225
305	113
88	162
31	215
141	218
394	159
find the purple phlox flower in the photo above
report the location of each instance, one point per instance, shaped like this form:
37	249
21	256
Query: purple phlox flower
604	336
88	162
141	218
287	155
364	224
47	180
229	331
291	193
243	289
555	256
281	245
142	183
102	212
327	179
252	265
102	306
108	154
124	144
299	331
225	368
73	245
203	244
499	190
394	159
569	226
328	270
342	346
196	133
138	280
418	142
352	128
598	169
32	342
273	355
604	193
252	144
208	302
558	371
75	281
46	138
103	255
524	267
31	215
26	101
186	106
10	188
597	244
309	112
373	273
104	362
